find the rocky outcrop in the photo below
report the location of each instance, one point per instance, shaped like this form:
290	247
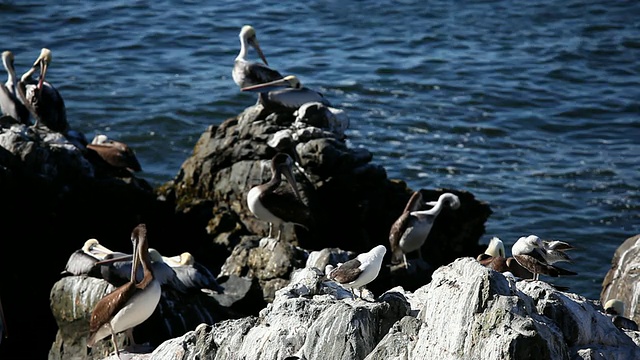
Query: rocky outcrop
467	311
621	281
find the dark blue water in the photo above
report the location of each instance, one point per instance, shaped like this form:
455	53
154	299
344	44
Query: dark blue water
531	106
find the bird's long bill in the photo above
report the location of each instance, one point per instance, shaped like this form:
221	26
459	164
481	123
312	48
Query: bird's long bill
136	260
269	86
431	203
259	51
291	180
101	250
43	71
118	259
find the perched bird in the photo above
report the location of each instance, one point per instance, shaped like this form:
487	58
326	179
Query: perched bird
614	308
555	251
193	274
530	252
495	258
83	260
410	231
272	203
286	93
115	155
246	73
10	104
130	304
43	99
358	272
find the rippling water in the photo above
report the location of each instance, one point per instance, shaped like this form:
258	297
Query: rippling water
531	106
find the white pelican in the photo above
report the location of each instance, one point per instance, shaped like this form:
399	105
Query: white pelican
286	93
193	274
531	254
9	101
358	272
410	231
245	72
130	304
46	103
271	203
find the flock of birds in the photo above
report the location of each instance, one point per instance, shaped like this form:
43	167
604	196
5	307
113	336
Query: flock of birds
141	275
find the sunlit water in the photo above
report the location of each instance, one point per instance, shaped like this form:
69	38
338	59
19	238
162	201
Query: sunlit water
531	106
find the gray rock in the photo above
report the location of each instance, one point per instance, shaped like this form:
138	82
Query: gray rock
621	280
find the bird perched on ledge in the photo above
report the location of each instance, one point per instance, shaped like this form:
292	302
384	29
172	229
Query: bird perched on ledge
358	272
10	104
286	93
246	73
410	231
495	258
614	308
531	253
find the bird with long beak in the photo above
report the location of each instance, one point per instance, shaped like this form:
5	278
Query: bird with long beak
286	93
410	231
130	304
274	204
83	260
41	98
530	252
494	257
10	103
246	73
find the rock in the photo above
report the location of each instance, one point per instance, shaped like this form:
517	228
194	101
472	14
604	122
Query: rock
621	280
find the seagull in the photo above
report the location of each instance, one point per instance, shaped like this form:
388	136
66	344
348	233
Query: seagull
130	304
614	308
358	272
271	203
246	73
495	258
530	252
286	93
555	251
10	104
410	231
43	99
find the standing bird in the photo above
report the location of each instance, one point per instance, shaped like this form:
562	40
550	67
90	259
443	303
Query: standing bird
10	104
246	73
286	93
530	252
130	304
410	231
193	274
83	260
42	98
270	202
358	272
495	258
555	251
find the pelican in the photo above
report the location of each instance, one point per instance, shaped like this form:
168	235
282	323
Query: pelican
130	304
45	101
358	272
270	203
287	93
614	308
9	102
83	260
495	258
117	155
193	274
530	252
410	231
117	270
246	73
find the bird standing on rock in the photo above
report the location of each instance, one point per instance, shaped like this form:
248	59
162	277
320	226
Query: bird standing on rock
531	253
358	272
246	73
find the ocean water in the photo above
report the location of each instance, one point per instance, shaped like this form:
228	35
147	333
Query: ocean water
531	106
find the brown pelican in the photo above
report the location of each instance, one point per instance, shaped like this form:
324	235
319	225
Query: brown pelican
614	308
130	304
9	101
83	260
286	93
358	272
43	99
410	231
530	252
271	203
114	154
495	258
193	274
246	73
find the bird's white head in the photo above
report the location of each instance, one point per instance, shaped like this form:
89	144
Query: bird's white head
495	248
615	306
247	32
7	57
293	81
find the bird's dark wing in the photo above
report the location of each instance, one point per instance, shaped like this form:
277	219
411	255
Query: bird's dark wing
347	272
395	234
109	305
284	204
